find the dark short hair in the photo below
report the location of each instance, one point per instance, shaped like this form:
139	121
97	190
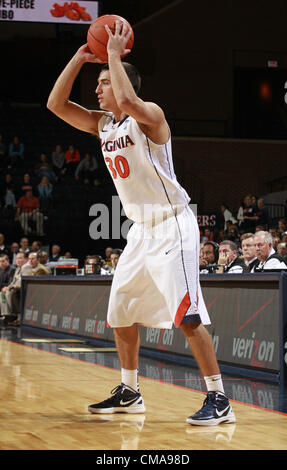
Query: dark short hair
116	251
131	72
230	243
215	247
98	258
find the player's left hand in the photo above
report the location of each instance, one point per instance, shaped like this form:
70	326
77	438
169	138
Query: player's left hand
117	42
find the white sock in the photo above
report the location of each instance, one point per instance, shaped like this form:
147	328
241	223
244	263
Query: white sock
130	377
214	383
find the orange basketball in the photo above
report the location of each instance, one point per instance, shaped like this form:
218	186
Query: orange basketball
98	37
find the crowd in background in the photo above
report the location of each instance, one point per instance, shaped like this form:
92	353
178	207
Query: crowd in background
248	242
26	193
241	242
21	259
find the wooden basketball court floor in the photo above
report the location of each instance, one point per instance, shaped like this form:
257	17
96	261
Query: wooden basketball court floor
46	390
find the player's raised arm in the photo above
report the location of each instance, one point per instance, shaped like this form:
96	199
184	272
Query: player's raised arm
59	102
148	114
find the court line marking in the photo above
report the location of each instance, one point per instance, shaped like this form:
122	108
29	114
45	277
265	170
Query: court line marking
143	377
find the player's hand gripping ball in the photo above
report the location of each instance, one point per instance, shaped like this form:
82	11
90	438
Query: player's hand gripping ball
98	37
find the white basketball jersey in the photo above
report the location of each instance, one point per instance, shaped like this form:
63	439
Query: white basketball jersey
142	171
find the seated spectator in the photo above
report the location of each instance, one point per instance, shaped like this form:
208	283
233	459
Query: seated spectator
107	260
58	159
7	184
45	190
273	231
10	294
282	226
72	157
38	269
24	245
14	249
26	184
28	210
9	204
6	271
87	168
44	168
115	256
93	265
284	237
67	255
266	255
55	253
282	250
16	152
249	216
229	260
207	235
275	242
9	198
36	246
44	260
227	214
209	257
262	214
4	250
231	233
248	250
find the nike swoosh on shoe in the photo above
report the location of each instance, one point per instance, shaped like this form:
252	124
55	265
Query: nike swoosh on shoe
220	413
129	402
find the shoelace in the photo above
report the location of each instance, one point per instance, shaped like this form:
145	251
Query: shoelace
121	387
209	400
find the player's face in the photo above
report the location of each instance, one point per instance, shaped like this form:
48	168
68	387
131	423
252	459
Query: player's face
104	91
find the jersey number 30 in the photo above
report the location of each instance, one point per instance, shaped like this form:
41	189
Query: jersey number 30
119	167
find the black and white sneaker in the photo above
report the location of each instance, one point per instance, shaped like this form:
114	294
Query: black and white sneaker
215	410
124	400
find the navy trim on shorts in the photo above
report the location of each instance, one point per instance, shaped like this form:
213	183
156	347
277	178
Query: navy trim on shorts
193	318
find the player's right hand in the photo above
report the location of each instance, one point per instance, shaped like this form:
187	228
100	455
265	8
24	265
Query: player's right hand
87	56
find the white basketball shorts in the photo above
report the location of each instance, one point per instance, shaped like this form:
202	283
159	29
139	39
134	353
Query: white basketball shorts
156	282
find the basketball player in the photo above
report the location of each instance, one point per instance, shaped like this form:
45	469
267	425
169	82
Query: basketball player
156	282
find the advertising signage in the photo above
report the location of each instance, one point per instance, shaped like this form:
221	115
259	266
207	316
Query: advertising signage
49	11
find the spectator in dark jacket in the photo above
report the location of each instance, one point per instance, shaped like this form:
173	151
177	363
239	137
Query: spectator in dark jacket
229	259
6	271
